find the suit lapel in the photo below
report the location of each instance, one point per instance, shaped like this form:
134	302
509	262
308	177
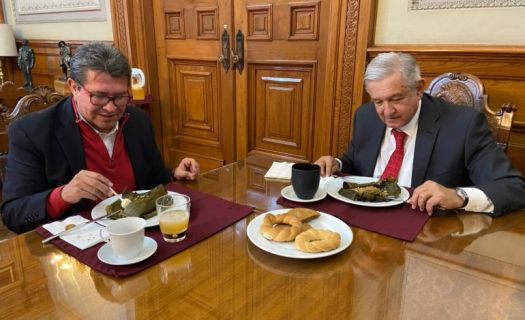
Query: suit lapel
428	129
375	138
69	139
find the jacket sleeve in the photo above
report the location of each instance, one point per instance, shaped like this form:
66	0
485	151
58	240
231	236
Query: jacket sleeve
25	187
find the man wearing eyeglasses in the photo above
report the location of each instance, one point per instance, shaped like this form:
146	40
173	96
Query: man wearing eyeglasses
66	158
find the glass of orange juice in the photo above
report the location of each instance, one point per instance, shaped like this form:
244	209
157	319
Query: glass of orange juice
173	211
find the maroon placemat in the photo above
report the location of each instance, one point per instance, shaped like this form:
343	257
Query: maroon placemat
209	215
397	221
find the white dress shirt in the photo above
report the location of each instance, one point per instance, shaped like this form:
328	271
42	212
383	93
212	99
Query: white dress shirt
478	200
107	138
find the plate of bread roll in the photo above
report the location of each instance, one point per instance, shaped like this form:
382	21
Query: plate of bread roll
299	233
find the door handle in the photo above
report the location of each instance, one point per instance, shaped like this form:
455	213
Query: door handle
224	58
238	56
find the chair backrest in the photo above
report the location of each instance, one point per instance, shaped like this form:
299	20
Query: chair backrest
40	97
468	90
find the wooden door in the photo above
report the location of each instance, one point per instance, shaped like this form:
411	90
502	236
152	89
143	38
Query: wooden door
285	95
196	92
280	102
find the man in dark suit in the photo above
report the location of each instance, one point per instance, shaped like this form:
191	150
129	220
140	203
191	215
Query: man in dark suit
450	155
66	158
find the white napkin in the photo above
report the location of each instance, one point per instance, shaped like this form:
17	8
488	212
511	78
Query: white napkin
82	238
280	170
324	181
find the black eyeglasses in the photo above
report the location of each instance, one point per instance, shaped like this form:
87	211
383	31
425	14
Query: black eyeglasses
101	100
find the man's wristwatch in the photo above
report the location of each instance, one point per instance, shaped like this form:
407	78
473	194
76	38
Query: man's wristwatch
463	195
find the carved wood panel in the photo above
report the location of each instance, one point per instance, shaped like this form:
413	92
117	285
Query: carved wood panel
207	23
195	93
259	22
282	109
304	20
175	25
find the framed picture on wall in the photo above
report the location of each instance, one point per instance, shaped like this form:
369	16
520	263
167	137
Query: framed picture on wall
456	4
38	11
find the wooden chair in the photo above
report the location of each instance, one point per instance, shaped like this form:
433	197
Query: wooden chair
40	97
468	90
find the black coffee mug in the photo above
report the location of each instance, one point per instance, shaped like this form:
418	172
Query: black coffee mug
305	179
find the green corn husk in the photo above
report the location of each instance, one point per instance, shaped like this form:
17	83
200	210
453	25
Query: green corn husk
379	191
141	205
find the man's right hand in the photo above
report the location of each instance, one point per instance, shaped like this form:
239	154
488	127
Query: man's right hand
328	165
87	184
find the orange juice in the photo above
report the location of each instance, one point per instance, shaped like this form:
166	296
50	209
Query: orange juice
138	92
173	224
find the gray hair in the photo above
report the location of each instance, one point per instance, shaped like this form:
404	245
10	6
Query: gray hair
385	64
99	57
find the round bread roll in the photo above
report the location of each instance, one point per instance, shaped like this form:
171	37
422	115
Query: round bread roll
304	226
281	227
317	240
304	214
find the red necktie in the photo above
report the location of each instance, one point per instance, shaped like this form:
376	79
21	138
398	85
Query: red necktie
394	163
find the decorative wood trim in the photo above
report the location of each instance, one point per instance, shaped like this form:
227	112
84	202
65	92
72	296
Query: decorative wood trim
311	7
203	13
119	13
259	10
175	33
359	30
2	19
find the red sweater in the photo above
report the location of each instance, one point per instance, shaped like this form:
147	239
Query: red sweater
117	168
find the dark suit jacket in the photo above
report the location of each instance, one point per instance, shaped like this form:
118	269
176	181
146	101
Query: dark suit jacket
454	147
45	151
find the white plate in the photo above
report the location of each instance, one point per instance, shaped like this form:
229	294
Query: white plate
106	255
333	186
288	193
100	210
287	249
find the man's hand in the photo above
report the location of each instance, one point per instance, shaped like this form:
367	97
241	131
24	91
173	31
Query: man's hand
328	165
188	169
432	195
86	184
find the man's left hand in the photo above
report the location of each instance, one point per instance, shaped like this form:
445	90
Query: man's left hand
432	195
188	169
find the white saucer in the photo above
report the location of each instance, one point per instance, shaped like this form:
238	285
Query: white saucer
288	193
105	253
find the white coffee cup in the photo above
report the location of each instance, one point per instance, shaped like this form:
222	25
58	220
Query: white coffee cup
126	236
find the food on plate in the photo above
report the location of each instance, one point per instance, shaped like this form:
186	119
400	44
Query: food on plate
317	240
304	214
290	227
137	204
378	191
304	226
